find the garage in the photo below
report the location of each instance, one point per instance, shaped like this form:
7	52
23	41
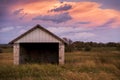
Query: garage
38	45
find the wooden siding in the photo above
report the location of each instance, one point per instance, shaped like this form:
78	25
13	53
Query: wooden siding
16	54
38	35
61	53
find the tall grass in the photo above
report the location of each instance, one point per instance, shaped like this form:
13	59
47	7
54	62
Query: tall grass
92	65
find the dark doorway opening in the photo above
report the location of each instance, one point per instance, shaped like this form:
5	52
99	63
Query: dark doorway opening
39	53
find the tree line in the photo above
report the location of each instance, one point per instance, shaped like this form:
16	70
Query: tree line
87	46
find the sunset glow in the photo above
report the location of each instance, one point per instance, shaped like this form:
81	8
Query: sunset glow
82	20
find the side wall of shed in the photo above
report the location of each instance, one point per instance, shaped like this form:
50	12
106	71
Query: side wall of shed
16	54
61	53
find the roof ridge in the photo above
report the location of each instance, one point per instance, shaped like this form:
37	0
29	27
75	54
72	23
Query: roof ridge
37	26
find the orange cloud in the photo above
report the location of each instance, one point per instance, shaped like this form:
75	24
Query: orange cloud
91	11
38	7
80	11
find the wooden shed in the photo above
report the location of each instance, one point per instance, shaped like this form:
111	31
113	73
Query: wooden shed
38	45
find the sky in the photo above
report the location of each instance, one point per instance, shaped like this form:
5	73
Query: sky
78	20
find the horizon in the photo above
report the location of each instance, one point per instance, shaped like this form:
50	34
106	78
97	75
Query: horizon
78	20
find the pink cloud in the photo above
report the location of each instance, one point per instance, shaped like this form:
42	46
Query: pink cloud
80	12
91	12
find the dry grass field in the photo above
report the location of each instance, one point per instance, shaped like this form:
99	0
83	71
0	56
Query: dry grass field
98	64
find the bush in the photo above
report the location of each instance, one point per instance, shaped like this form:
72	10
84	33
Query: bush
87	48
118	48
69	48
1	50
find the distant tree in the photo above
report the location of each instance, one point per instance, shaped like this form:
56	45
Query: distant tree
78	46
69	41
118	46
68	47
1	50
87	48
101	45
111	44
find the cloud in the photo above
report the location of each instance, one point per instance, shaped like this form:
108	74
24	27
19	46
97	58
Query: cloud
37	6
64	7
6	29
70	0
81	35
74	33
111	4
18	11
87	13
82	17
14	2
4	12
66	30
108	23
93	13
83	22
57	18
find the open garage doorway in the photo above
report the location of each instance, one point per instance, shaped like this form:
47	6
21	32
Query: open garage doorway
39	53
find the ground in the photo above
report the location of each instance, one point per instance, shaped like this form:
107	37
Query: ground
98	64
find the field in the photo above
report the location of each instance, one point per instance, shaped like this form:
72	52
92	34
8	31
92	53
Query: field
98	64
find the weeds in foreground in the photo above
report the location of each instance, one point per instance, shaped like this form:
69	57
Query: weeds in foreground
78	66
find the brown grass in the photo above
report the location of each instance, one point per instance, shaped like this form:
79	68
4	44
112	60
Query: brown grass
103	65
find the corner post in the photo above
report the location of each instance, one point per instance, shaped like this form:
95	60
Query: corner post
61	53
16	54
